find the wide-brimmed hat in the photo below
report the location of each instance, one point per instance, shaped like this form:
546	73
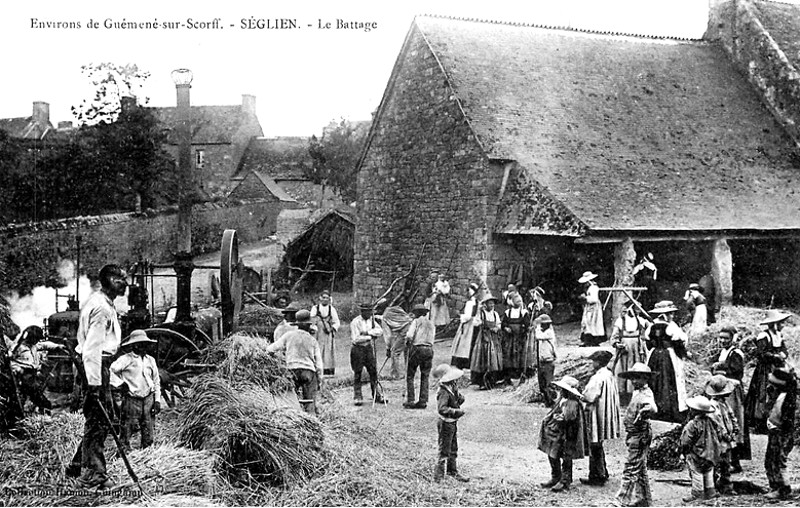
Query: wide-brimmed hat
569	384
639	370
719	368
137	336
774	316
700	403
451	374
602	356
474	287
695	286
780	377
718	386
663	307
365	306
440	370
587	276
489	297
544	318
420	309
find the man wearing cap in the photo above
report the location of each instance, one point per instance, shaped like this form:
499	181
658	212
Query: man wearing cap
287	324
419	338
135	374
324	315
593	330
541	355
627	339
363	331
99	335
771	353
665	339
461	349
602	415
634	489
303	359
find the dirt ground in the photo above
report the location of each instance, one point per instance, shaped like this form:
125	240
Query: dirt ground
498	438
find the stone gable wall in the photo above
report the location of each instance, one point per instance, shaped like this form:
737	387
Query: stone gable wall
427	192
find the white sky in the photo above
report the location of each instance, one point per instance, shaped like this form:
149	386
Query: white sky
302	78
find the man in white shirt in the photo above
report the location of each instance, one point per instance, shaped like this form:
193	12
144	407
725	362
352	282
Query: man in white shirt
135	373
420	337
363	331
99	335
287	325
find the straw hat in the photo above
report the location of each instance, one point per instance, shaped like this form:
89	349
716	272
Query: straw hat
365	306
663	307
718	368
569	384
695	286
440	370
718	386
639	370
137	336
451	374
587	276
774	316
700	403
419	309
489	297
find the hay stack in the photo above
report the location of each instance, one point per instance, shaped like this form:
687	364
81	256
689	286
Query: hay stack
169	469
665	453
242	359
51	442
579	367
254	442
260	319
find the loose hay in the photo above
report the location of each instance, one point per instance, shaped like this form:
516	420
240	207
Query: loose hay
243	359
665	452
579	367
256	443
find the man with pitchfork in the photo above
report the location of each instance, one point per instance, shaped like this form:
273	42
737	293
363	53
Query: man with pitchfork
364	329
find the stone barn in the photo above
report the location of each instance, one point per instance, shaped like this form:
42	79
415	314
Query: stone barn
508	152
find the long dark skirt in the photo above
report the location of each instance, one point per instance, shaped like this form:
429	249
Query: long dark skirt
665	387
514	350
755	404
487	357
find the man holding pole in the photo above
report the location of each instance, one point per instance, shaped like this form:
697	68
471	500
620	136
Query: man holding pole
363	331
99	335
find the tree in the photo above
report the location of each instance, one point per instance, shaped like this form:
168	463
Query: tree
335	156
110	83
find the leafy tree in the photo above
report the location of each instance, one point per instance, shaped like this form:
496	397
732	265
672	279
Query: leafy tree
110	83
335	156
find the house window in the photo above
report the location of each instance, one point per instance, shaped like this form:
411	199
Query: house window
199	158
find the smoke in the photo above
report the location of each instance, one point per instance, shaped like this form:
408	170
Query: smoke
36	307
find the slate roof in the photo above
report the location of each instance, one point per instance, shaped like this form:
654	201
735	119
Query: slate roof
24	127
628	133
273	187
211	124
282	158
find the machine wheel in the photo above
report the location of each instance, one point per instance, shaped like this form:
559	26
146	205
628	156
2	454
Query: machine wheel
173	349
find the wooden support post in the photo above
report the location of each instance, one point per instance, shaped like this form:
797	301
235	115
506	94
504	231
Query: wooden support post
624	261
269	286
722	271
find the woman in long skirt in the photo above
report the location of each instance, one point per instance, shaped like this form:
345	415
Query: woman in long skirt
467	330
515	331
486	362
669	385
627	337
771	353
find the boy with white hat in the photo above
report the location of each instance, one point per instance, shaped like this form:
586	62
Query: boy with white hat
135	373
448	403
561	435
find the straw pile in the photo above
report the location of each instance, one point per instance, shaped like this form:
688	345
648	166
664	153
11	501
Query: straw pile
579	367
51	442
696	378
259	319
173	500
169	469
665	453
254	442
242	359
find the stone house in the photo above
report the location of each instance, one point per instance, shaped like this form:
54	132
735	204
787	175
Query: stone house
220	136
508	152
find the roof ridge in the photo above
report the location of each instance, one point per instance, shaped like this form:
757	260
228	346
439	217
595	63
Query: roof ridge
779	2
563	28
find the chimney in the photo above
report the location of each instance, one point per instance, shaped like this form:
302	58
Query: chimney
41	113
249	104
127	103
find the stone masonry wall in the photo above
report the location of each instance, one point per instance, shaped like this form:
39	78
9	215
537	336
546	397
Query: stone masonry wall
32	251
427	193
736	24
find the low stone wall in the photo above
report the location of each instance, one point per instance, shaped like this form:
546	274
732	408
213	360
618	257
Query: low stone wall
32	251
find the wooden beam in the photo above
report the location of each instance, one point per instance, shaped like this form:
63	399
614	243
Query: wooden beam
686	237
